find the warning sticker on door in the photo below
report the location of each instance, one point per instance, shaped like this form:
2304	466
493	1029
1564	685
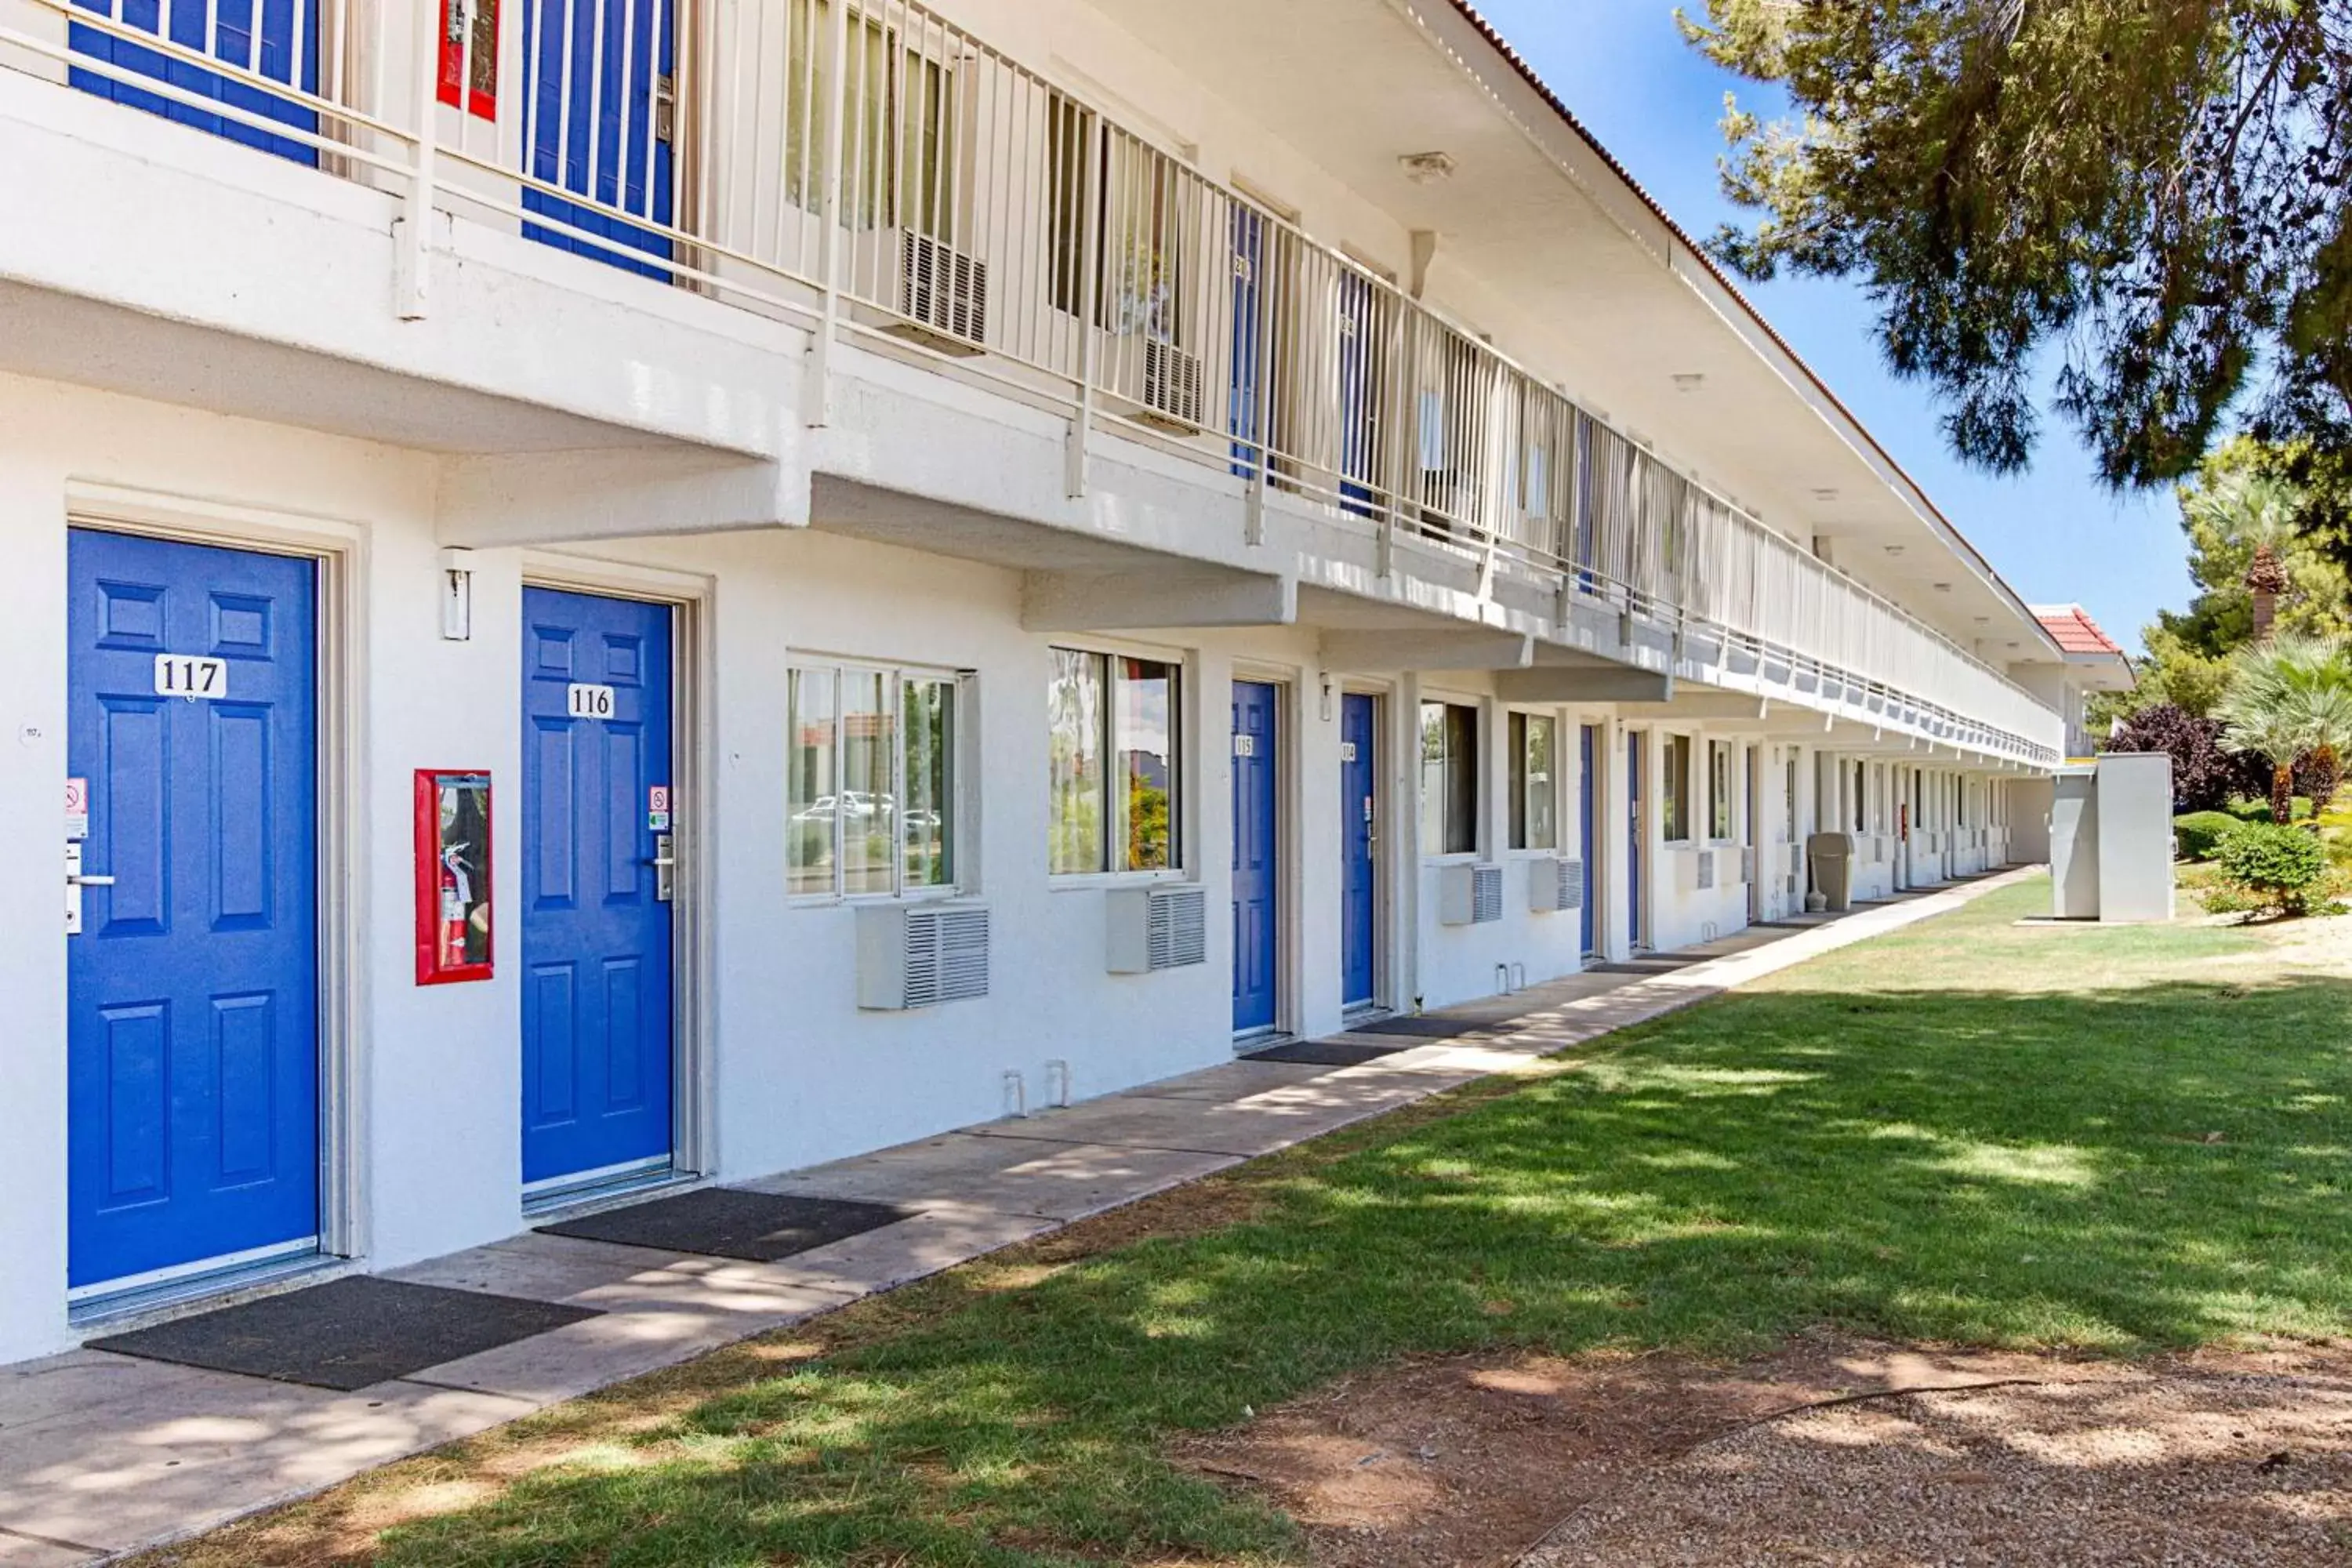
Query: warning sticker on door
77	809
657	808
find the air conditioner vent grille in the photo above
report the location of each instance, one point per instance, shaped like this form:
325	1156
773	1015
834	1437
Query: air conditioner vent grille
1470	895
1178	928
1706	870
1173	385
1157	928
1555	886
922	955
942	289
1486	895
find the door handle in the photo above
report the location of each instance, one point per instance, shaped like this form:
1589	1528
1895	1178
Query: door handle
75	880
664	865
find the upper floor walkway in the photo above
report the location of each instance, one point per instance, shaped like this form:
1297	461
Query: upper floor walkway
828	263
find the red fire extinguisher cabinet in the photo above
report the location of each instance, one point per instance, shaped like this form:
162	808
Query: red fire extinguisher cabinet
455	912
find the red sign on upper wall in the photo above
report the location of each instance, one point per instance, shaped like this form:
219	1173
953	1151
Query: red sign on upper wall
470	56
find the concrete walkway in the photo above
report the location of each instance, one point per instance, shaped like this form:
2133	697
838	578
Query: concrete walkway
102	1454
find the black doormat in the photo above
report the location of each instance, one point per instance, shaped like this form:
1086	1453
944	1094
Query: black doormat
1428	1029
728	1221
1324	1053
346	1334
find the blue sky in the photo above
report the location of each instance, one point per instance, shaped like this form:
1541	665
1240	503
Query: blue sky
1654	102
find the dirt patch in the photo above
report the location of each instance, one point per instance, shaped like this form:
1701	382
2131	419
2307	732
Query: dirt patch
1826	1452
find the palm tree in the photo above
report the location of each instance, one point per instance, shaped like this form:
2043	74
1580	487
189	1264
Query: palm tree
2257	511
2288	698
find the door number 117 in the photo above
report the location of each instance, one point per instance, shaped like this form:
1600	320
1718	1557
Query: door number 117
191	675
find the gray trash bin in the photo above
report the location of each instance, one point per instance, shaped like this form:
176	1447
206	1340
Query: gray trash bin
1833	857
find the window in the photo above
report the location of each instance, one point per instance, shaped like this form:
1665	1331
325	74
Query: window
1535	782
1677	789
870	785
1861	797
1113	766
898	123
1449	778
1719	768
1068	128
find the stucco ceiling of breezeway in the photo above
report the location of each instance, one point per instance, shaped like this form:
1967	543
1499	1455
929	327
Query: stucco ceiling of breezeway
1585	280
88	343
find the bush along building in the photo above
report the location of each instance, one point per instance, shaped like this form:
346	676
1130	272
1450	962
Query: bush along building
623	591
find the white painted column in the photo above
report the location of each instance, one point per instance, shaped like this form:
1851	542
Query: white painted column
1616	884
32	910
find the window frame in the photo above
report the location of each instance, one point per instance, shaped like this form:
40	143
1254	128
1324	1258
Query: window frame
1474	754
1723	816
1519	730
962	780
1112	844
1674	796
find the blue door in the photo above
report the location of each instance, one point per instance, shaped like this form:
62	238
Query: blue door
600	74
596	1014
275	39
1634	745
1359	827
1257	860
1587	823
1244	420
1355	394
192	1034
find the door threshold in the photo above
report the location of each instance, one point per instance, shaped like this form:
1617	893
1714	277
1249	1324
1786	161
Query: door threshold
1259	1040
1364	1013
573	1201
139	1305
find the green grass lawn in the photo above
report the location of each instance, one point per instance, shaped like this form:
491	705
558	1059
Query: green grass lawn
1968	1132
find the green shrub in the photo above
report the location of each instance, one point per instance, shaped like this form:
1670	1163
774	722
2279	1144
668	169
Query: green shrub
2275	868
2246	810
2200	832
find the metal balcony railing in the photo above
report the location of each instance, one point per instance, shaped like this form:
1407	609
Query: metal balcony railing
873	169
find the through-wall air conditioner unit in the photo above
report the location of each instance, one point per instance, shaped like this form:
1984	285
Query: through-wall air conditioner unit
1555	885
944	294
1174	390
1705	868
1469	895
1158	928
1878	849
1748	865
919	955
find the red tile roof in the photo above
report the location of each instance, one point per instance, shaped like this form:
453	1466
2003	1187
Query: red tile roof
2076	632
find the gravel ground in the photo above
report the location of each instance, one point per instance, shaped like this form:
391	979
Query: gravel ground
2214	1466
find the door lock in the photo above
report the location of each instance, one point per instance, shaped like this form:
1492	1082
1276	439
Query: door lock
664	865
75	882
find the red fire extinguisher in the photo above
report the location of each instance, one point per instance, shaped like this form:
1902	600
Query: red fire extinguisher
456	894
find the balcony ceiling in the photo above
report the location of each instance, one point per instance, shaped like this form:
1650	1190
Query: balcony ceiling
1583	283
60	337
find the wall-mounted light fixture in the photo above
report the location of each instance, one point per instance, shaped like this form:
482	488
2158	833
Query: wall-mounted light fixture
458	595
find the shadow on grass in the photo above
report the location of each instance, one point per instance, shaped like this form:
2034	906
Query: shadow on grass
2121	1170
